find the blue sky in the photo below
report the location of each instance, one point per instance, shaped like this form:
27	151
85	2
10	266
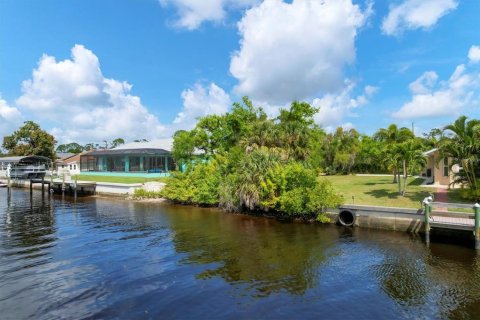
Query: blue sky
93	70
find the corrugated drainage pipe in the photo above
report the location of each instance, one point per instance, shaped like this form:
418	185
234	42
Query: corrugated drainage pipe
347	218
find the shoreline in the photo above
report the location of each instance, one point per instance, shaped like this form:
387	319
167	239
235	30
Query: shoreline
407	220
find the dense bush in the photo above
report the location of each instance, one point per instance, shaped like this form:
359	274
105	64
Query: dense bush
253	163
199	185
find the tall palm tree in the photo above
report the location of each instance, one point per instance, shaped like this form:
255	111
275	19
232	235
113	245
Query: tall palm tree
462	145
392	136
411	152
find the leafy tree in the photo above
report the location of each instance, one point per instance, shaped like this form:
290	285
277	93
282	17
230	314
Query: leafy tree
340	150
117	142
183	147
369	157
254	163
72	147
30	139
295	128
89	146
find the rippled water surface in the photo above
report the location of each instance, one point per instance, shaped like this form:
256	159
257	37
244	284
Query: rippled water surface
104	258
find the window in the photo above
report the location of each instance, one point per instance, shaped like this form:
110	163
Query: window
74	167
445	167
70	167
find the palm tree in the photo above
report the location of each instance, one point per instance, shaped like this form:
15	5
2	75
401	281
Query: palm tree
411	152
392	136
462	145
253	170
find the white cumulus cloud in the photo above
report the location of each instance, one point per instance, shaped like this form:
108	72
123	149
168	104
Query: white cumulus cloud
85	105
449	97
10	118
424	83
335	107
474	54
192	13
295	50
200	101
416	14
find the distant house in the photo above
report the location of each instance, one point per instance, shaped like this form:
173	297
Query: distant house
438	169
152	157
69	165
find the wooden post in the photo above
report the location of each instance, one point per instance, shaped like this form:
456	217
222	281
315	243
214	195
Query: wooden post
476	208
43	185
75	189
63	184
31	188
9	186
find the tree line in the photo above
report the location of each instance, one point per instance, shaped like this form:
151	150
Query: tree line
262	163
244	160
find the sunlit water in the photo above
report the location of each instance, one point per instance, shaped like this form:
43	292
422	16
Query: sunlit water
104	258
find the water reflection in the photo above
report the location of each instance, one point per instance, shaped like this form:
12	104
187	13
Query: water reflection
253	251
29	228
104	258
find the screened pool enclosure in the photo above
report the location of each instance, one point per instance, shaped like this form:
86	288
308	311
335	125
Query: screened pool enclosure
128	160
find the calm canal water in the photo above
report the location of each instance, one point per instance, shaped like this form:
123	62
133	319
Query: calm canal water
103	258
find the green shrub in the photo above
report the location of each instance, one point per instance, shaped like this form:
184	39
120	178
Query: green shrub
198	185
143	194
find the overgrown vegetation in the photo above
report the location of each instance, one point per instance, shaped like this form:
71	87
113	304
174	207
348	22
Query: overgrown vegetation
253	163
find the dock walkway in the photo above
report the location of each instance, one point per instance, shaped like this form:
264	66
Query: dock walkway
455	216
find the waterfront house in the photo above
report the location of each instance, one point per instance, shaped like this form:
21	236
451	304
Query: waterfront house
70	165
59	165
438	170
150	158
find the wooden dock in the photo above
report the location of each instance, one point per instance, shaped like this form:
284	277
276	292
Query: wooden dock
448	216
73	187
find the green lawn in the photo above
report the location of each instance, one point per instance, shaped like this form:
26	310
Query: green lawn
379	191
117	179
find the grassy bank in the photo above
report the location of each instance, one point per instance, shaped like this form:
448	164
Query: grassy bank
117	179
380	191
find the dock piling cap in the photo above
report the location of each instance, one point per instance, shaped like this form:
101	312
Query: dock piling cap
476	205
427	200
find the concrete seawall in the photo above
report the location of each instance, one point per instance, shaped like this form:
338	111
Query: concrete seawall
387	218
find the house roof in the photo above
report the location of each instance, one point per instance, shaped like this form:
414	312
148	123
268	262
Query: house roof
165	144
64	155
161	146
146	151
430	152
73	158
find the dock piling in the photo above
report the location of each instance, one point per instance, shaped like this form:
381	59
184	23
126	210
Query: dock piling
63	184
476	208
75	189
427	211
